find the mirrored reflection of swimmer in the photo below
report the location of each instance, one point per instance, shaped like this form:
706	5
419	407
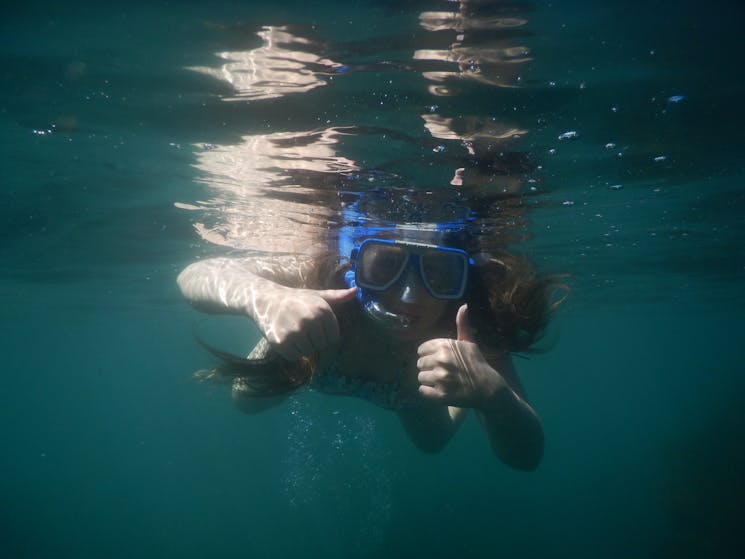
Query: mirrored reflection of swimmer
483	48
485	44
284	64
414	319
273	192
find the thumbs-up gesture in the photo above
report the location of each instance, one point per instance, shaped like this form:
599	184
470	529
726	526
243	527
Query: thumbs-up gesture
455	372
299	322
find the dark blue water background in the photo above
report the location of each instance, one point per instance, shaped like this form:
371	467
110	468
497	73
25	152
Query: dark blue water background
111	449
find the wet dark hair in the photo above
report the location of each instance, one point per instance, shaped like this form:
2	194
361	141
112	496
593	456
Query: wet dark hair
510	304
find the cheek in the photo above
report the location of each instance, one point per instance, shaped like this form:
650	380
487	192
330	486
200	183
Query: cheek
389	299
436	310
432	310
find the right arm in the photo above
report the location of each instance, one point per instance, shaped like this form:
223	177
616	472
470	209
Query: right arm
236	286
295	321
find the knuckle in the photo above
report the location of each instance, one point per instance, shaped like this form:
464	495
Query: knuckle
441	374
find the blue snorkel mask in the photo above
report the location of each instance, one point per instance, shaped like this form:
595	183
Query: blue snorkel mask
428	227
379	265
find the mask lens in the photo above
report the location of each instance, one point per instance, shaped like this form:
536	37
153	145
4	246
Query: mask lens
380	265
444	272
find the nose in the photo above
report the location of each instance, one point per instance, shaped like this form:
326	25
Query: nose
412	287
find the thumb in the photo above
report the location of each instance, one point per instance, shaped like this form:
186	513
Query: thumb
338	296
462	325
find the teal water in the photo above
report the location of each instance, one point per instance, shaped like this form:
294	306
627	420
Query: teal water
124	159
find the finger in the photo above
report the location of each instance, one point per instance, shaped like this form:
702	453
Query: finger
463	325
338	296
301	344
317	337
424	363
428	362
282	348
429	347
331	329
431	377
432	393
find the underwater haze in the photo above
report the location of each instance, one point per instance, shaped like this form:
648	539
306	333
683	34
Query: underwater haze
137	137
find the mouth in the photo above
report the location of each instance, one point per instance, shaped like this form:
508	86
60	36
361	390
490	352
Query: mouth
389	317
411	313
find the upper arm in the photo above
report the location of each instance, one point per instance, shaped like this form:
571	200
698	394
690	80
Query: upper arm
234	285
287	270
431	425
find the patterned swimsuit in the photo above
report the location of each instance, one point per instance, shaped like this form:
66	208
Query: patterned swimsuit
389	395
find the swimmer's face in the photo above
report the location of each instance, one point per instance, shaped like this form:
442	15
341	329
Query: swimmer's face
409	298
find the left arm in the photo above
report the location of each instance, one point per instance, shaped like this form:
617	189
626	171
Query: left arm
430	426
457	374
512	425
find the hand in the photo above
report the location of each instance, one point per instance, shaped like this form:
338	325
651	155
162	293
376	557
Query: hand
455	372
299	322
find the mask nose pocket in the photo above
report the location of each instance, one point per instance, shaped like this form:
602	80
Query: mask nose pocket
411	286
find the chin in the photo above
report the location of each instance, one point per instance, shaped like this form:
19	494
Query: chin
417	329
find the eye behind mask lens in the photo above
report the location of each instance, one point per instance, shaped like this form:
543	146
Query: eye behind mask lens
380	266
443	272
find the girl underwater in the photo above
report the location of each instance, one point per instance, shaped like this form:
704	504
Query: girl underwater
410	318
